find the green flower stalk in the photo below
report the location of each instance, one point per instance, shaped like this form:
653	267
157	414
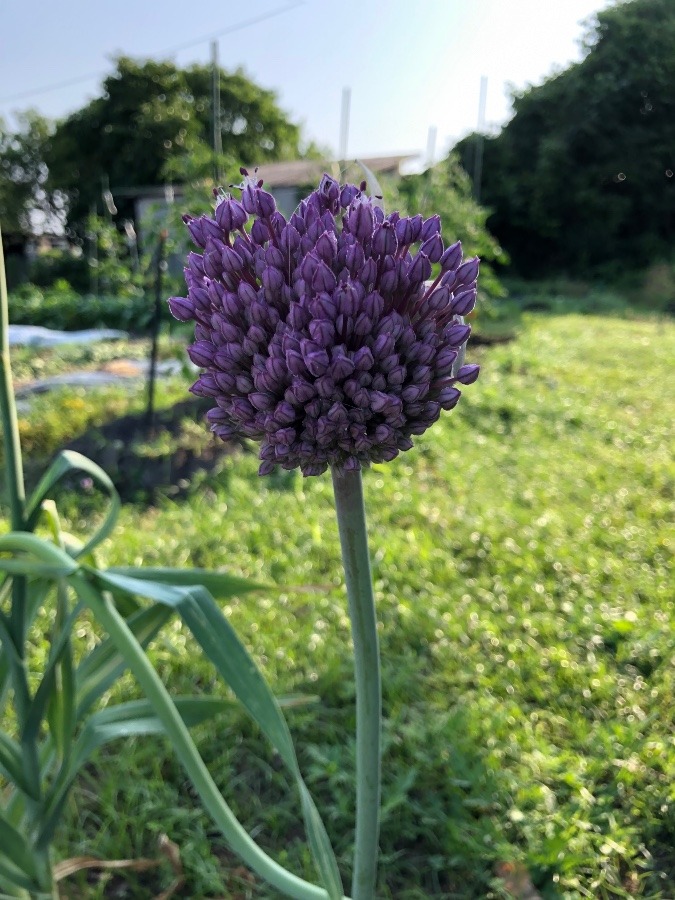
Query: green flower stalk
351	516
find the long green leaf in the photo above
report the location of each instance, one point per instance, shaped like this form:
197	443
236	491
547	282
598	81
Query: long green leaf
138	717
101	668
11	766
14	877
4	679
65	463
220	584
15	847
221	644
24	543
61	707
7	640
46	687
22	565
135	718
155	691
38	590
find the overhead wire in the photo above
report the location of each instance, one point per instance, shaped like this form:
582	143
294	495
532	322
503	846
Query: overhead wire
239	26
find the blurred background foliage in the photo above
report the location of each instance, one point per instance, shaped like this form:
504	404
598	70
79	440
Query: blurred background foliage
577	188
581	179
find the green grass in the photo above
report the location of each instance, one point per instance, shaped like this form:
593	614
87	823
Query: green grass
521	564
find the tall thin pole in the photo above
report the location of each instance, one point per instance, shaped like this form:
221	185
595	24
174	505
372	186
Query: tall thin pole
215	102
160	268
344	124
431	146
480	140
108	200
93	251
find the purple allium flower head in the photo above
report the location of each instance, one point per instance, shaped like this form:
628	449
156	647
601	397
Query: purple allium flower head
322	337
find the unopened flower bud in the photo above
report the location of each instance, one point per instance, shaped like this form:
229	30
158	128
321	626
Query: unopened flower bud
360	219
260	233
468	374
467	272
202	353
231	215
463	303
384	240
433	248
430	227
181	309
452	257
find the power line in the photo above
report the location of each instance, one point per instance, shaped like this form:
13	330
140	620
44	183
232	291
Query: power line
52	87
246	23
254	20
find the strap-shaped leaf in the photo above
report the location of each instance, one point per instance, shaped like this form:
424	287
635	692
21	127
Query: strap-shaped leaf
240	841
137	717
101	668
46	687
4	679
14	846
10	653
11	766
221	644
36	597
25	545
65	463
61	706
220	584
23	565
12	877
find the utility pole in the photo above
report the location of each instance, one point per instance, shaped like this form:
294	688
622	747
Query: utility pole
215	104
160	269
92	237
344	125
108	199
431	147
480	140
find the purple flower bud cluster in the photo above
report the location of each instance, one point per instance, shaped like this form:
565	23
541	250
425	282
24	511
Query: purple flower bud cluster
322	336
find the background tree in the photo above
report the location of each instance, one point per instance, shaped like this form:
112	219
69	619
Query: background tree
150	113
446	189
582	175
26	205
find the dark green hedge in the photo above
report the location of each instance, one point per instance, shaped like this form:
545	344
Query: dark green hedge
64	309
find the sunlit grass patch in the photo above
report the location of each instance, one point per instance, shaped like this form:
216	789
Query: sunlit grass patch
522	568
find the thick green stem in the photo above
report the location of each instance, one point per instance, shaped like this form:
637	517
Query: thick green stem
351	516
10	428
239	840
16	496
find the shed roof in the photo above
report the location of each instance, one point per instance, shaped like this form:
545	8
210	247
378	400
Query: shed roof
293	173
300	172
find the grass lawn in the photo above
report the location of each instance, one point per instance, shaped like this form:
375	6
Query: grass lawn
521	563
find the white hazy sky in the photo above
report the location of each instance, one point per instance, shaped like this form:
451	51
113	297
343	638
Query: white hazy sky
410	66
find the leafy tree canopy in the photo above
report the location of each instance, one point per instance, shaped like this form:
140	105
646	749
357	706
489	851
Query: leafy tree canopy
151	113
445	189
582	175
25	203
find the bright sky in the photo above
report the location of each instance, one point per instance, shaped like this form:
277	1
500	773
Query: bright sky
410	66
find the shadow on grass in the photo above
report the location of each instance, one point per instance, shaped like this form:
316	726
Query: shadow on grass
166	460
